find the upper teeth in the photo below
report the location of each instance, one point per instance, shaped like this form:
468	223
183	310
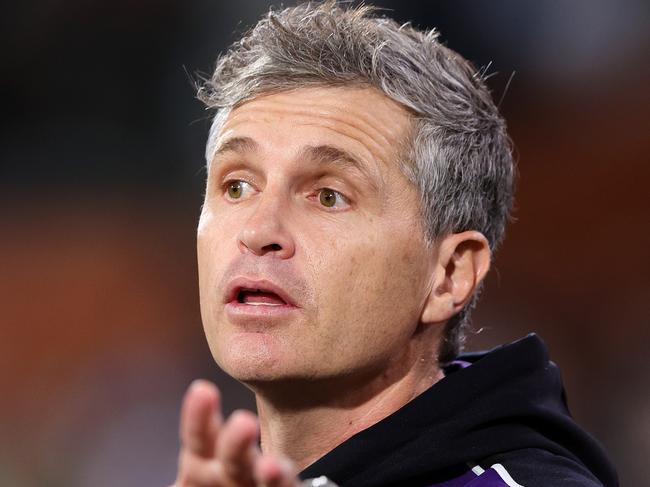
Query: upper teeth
252	303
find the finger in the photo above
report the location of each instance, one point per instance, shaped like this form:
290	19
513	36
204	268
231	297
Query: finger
198	472
274	472
237	448
200	419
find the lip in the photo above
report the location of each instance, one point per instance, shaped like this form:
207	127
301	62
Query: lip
239	283
247	315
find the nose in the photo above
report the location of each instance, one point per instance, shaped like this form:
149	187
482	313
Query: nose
265	231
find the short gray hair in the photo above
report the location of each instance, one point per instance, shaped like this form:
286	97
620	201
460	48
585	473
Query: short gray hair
459	156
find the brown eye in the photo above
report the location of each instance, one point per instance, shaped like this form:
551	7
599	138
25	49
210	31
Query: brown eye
332	199
236	189
327	197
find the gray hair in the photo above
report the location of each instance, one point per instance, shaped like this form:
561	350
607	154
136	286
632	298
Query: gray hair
459	156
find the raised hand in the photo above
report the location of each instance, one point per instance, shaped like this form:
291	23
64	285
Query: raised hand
215	453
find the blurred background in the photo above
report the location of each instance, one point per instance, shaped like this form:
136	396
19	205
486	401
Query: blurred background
101	181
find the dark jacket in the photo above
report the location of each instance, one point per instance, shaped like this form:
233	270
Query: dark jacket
498	418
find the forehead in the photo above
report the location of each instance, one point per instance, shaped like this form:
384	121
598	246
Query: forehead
361	119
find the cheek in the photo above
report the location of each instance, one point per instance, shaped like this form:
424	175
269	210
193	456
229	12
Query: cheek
372	289
212	258
204	244
213	238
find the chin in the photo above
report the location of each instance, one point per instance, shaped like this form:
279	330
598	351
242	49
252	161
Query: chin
251	358
258	371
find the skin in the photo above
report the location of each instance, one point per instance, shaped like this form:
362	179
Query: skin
342	236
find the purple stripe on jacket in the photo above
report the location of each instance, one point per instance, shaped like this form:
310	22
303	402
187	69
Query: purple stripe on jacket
489	478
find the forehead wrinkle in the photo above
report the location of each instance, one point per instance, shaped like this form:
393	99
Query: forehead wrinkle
367	149
375	140
341	115
257	116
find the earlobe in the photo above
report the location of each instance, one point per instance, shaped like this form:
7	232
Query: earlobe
463	260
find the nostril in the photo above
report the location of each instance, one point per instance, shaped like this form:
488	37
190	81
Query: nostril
273	247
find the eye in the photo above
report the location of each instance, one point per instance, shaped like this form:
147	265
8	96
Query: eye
332	199
237	188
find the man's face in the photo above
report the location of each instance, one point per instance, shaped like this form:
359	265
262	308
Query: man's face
312	261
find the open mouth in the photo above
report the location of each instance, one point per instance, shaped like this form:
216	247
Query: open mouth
259	297
255	296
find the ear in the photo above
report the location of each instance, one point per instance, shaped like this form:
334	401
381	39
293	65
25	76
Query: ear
463	260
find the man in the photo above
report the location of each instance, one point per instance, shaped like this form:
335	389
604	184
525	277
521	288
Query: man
359	181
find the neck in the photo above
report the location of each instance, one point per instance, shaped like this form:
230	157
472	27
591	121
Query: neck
303	420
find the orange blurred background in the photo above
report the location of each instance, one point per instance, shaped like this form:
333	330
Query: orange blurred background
101	186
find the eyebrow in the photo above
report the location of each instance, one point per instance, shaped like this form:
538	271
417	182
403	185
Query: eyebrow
322	154
237	144
327	154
